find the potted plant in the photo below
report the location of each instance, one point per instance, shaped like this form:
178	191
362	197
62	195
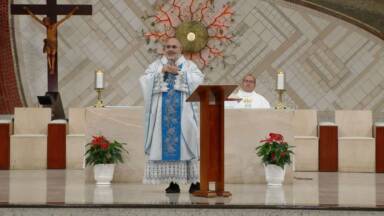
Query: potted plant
103	155
275	154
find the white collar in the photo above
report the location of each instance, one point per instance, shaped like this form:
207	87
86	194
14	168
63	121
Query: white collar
246	94
179	61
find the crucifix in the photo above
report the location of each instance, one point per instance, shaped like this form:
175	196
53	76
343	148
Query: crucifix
51	9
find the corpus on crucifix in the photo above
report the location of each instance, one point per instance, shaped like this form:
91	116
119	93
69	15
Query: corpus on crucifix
50	43
51	10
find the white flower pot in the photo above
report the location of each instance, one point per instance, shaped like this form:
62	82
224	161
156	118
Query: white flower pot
103	173
274	175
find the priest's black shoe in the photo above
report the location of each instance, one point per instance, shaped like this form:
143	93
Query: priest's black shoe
194	187
169	188
173	188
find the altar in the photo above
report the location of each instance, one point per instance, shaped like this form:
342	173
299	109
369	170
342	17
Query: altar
244	128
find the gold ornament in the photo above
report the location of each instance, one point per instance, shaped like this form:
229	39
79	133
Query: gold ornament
193	36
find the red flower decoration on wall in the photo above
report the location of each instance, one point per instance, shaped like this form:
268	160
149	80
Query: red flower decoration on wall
174	13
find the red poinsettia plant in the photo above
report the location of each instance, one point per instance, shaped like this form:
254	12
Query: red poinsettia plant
274	150
102	151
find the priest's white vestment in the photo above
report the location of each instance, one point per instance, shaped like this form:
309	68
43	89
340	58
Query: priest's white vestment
171	141
250	100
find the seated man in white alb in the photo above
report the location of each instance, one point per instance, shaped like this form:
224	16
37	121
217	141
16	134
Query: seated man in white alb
249	98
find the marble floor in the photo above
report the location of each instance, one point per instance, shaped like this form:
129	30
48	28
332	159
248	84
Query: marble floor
309	190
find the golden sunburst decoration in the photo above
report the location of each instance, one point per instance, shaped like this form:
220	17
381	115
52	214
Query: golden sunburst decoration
193	36
202	30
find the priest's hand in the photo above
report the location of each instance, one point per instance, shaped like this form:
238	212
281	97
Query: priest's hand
170	69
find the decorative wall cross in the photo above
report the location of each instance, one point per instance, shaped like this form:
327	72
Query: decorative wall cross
51	9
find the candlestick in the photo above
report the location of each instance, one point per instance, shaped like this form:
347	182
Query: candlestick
99	102
280	104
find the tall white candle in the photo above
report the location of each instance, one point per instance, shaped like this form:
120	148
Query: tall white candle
99	82
280	80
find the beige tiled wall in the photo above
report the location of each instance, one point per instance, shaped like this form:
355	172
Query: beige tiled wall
330	64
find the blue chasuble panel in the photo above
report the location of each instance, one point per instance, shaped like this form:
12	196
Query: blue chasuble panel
171	120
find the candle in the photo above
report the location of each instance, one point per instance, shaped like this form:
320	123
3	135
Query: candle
280	80
99	82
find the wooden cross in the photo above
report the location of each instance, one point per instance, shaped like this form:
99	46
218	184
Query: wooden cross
51	9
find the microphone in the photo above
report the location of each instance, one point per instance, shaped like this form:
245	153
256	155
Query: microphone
171	62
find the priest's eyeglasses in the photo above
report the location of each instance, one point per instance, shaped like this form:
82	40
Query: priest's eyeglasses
171	46
249	81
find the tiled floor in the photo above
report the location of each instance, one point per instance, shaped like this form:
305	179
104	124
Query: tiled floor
361	190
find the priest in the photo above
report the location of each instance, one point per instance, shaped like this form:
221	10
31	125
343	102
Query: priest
246	97
171	124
